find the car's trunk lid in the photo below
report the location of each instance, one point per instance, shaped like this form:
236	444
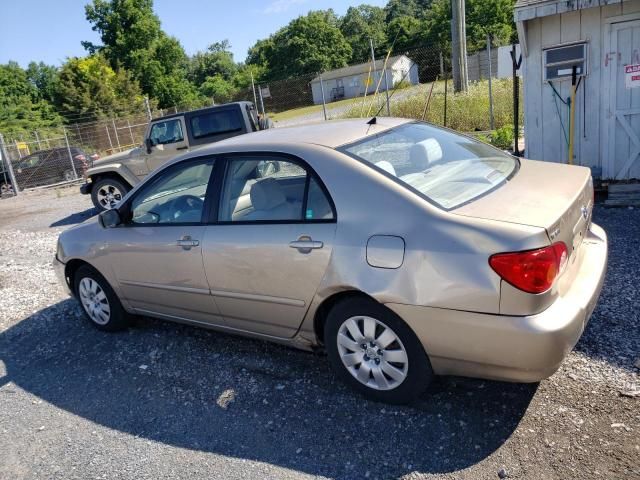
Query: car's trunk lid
556	197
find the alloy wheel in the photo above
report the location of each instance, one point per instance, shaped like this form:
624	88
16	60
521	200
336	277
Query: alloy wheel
372	352
94	301
109	196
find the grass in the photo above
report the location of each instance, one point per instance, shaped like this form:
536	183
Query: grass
466	112
298	112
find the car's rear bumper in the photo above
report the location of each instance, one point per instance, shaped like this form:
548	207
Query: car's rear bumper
513	348
85	188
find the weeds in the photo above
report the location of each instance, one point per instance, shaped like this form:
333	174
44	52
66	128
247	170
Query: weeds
466	112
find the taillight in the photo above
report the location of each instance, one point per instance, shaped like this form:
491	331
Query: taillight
532	271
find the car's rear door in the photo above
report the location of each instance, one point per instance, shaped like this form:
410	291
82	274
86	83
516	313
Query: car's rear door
269	250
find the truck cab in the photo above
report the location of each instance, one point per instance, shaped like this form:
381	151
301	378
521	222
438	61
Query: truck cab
166	137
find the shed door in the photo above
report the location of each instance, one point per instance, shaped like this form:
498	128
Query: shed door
624	103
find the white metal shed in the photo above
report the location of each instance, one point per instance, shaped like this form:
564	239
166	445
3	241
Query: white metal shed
602	39
353	81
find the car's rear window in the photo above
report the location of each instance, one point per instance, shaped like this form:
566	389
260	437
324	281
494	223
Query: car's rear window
446	168
216	123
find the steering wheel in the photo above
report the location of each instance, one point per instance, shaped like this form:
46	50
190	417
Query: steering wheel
183	204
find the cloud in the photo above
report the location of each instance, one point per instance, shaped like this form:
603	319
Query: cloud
279	6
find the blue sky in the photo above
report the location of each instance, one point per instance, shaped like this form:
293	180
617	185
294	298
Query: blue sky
51	30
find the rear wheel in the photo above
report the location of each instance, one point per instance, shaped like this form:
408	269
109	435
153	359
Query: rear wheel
99	301
375	352
107	193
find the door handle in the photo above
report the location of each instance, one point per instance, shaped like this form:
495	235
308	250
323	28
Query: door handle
182	148
187	242
305	244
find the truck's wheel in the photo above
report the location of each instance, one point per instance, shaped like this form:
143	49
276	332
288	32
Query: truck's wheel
108	192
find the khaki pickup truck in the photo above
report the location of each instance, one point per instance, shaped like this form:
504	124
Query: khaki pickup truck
113	176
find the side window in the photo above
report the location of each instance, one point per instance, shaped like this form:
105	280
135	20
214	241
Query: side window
271	189
318	205
175	196
168	131
215	123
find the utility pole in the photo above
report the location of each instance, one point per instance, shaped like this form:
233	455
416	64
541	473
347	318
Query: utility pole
324	106
459	46
261	100
253	89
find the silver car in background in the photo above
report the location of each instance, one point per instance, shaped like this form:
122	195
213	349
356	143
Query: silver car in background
402	249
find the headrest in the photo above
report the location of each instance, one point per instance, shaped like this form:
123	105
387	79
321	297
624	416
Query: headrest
424	153
267	194
387	167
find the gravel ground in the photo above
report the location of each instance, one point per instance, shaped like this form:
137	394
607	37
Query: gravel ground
169	401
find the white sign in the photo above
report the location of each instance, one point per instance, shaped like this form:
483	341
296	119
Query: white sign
632	76
265	92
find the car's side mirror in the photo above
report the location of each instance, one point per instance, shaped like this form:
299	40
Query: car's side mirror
110	218
148	143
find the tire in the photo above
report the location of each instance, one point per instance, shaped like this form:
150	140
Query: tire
411	371
98	300
106	193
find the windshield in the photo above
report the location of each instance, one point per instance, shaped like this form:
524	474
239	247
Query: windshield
446	168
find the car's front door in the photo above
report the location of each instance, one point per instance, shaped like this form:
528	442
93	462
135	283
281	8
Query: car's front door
157	252
166	140
269	251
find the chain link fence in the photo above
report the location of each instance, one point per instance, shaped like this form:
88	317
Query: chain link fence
412	84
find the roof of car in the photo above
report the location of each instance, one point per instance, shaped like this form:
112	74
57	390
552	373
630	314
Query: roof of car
200	110
332	133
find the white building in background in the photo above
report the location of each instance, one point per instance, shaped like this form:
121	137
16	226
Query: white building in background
353	81
601	38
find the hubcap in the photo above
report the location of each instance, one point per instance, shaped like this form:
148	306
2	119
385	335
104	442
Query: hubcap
109	196
372	352
94	301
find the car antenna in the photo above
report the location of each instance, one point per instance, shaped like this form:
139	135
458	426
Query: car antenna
373	121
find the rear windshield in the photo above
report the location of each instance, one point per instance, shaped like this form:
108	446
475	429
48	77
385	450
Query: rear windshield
446	168
216	123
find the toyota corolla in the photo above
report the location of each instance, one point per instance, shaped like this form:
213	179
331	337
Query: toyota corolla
402	249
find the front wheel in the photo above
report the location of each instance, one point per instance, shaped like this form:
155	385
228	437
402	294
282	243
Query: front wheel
375	352
99	301
107	193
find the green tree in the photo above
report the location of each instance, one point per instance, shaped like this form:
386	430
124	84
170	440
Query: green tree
22	110
126	28
406	32
218	89
406	8
133	39
44	77
308	44
217	60
360	24
494	18
88	88
438	25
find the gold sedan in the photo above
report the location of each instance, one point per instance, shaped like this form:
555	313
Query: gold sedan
402	249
